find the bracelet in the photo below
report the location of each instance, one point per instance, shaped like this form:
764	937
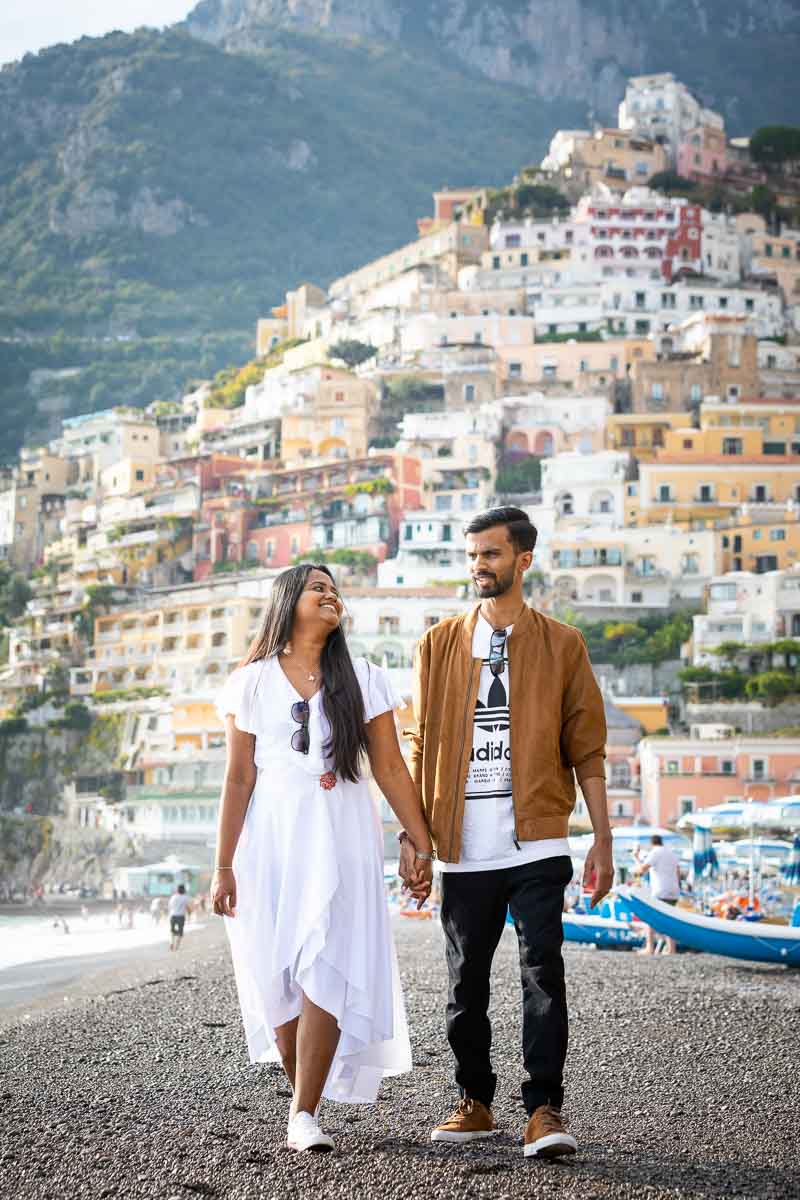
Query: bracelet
403	836
223	868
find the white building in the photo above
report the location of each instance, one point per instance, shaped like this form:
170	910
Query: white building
662	108
722	247
431	548
650	567
749	609
583	488
563	146
385	623
543	425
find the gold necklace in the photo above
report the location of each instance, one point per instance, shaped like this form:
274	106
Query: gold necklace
310	676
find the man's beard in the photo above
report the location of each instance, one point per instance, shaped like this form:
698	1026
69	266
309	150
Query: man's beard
494	585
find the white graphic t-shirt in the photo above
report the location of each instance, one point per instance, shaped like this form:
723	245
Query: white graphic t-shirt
487	840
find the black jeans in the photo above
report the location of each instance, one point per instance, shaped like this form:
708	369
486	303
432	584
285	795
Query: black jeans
474	905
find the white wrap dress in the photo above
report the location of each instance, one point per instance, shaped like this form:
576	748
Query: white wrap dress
311	912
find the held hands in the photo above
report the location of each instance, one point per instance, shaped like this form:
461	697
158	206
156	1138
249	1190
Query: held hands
598	871
416	873
223	893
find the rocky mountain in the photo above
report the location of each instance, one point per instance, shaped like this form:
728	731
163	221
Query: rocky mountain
740	57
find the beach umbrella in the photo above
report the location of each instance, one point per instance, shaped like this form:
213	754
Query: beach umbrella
736	814
783	812
704	857
791	868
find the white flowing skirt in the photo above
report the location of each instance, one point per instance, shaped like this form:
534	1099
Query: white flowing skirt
311	918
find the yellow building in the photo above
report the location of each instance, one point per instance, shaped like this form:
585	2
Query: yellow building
640	433
780	419
779	255
128	476
760	542
617	158
196	725
515	258
571	363
510	302
652	712
31	502
334	422
456	245
185	645
271	330
707	474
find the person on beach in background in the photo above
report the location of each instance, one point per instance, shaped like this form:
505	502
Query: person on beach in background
506	707
176	910
299	870
664	868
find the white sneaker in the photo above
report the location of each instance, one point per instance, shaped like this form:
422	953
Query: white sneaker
305	1134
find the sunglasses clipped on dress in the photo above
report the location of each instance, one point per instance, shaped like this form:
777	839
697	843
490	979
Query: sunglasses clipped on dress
497	652
301	739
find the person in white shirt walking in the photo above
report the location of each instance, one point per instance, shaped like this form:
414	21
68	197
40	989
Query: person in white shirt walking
177	910
663	867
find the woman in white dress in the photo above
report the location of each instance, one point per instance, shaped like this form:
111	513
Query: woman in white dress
299	872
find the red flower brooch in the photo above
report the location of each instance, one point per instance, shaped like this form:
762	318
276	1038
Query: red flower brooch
328	780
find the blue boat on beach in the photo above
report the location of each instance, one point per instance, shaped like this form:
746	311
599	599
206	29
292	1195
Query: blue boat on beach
610	926
606	932
756	941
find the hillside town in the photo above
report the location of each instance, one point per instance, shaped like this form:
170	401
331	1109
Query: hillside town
626	368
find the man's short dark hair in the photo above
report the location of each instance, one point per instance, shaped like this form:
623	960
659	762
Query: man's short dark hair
657	840
521	531
181	888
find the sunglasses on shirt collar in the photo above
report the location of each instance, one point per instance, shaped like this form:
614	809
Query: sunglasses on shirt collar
497	652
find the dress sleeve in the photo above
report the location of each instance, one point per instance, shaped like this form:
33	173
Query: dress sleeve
236	697
378	694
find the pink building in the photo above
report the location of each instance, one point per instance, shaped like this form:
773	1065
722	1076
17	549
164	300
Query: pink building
680	775
703	153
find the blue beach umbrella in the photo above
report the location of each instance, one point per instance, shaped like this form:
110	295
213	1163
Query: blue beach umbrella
704	857
791	868
783	812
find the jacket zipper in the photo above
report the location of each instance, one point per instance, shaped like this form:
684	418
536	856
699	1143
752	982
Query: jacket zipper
515	835
460	756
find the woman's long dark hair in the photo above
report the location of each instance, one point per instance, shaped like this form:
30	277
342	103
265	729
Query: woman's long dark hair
342	698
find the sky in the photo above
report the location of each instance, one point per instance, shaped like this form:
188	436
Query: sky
30	25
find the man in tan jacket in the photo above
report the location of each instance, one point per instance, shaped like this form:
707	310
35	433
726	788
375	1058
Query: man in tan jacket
507	713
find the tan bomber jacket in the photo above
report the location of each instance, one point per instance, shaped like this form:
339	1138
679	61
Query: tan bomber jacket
557	724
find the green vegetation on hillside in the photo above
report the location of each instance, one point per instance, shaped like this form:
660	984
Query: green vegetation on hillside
772	673
158	195
774	145
622	643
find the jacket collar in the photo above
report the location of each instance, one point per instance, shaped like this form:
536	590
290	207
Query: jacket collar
524	625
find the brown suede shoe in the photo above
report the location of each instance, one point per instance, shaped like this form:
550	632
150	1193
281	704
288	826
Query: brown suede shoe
546	1135
470	1122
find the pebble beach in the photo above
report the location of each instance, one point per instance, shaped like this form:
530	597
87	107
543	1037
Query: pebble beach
682	1081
